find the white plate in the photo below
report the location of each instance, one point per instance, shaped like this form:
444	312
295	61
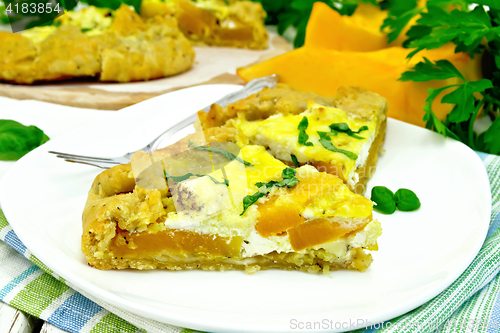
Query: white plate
421	253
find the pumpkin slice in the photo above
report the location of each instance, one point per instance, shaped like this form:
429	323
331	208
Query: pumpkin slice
274	220
317	232
359	32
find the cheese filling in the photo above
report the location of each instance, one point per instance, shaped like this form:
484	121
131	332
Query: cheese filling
280	134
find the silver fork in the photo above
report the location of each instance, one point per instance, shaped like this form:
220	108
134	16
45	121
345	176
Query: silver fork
251	87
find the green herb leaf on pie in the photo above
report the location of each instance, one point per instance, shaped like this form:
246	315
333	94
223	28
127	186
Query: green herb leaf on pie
344	128
325	140
289	180
250	200
295	161
189	175
303	137
224	182
225	153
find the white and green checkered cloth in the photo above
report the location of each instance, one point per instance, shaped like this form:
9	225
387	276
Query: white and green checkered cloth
470	304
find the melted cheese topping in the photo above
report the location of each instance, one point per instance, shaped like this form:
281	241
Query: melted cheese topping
38	34
280	134
93	21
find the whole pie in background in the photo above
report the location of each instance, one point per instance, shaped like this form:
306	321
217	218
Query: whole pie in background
123	46
116	46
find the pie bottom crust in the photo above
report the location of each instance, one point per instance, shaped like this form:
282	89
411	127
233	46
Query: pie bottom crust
312	261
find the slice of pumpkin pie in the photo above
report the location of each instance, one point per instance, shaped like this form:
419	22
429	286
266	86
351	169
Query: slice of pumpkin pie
340	135
220	206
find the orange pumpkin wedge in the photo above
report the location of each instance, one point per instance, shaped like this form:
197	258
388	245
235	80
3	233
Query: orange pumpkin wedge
274	220
327	29
317	232
360	32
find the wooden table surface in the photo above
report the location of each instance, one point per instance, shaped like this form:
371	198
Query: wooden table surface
15	321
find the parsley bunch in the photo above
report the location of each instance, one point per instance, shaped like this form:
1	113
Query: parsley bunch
475	31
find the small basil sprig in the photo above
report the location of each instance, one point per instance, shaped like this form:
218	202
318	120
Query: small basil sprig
384	199
337	128
289	180
16	140
303	137
386	202
325	140
189	175
227	154
295	161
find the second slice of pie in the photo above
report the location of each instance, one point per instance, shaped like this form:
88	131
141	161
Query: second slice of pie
341	135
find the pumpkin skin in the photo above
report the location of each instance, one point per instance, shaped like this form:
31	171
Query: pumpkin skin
323	71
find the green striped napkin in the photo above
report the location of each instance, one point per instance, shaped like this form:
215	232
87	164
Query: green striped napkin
471	303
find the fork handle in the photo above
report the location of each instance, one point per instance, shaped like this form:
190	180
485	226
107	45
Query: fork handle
251	87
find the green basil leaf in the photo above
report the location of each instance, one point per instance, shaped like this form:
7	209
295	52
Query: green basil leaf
295	161
225	153
16	140
406	200
325	140
384	200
